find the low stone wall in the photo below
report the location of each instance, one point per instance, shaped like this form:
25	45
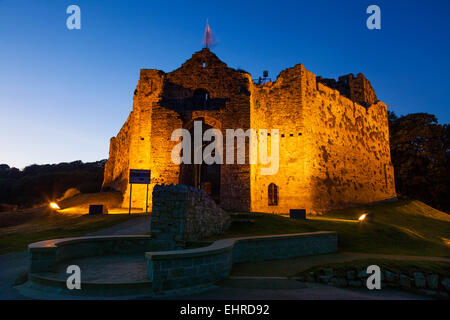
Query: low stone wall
284	246
189	268
44	256
171	270
178	269
181	213
430	284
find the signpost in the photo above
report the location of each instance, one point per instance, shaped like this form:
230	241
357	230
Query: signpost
138	176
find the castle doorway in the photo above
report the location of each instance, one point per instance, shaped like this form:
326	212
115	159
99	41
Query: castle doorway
202	176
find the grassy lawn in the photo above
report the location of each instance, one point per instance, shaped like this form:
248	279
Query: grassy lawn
402	227
397	266
45	224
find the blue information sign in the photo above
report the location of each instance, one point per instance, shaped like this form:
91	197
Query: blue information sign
140	176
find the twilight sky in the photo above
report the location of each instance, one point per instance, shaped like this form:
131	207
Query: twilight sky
64	93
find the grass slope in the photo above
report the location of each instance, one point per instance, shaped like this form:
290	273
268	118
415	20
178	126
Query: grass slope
47	224
402	227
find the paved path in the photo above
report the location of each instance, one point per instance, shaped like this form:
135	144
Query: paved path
284	289
12	265
139	225
111	268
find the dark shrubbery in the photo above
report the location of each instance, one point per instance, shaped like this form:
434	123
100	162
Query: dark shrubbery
36	184
420	154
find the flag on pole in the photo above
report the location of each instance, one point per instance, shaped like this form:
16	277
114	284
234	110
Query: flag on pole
208	40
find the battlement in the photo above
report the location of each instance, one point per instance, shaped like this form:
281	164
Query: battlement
358	89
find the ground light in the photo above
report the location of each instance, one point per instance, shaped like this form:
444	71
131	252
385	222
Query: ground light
54	206
362	217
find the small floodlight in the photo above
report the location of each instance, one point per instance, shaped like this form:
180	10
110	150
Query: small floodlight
54	206
362	217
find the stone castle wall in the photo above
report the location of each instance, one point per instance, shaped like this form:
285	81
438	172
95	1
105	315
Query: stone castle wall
278	105
334	143
228	108
163	103
357	89
116	168
350	154
333	151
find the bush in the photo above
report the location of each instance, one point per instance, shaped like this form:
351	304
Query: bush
38	184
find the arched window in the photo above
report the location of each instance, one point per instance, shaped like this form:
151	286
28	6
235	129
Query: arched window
273	194
201	98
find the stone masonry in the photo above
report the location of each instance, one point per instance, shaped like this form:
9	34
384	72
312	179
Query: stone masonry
334	138
181	213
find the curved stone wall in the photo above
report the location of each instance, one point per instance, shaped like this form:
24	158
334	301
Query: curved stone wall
170	270
44	256
176	269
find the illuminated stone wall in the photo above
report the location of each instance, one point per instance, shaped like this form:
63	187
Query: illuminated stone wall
162	103
279	105
350	153
333	151
334	147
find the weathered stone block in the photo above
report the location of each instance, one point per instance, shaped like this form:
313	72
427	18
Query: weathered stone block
391	276
419	280
446	284
432	281
186	214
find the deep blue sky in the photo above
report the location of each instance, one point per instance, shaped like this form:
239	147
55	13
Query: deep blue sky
64	93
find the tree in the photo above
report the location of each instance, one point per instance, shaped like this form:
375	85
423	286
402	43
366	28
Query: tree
420	155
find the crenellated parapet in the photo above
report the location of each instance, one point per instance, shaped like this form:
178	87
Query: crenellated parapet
357	89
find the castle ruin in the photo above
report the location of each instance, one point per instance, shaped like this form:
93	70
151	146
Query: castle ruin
333	144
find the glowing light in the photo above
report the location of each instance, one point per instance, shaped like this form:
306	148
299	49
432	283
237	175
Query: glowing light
362	217
54	205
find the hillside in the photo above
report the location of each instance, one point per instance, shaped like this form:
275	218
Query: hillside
403	227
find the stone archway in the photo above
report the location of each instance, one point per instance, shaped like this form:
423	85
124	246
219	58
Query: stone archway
202	176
